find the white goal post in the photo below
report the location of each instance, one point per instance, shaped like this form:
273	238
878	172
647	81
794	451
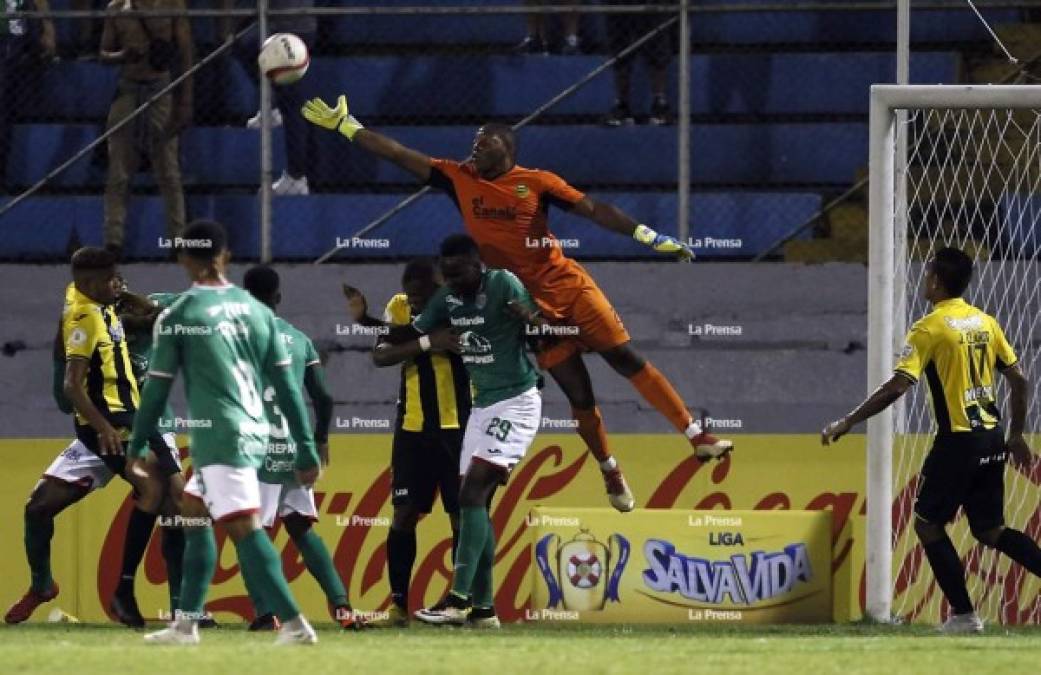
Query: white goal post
977	114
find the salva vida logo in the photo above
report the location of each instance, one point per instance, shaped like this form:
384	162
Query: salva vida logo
743	579
582	574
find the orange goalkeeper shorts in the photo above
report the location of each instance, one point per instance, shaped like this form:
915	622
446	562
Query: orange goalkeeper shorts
587	323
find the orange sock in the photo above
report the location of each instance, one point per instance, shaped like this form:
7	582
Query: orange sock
591	429
657	391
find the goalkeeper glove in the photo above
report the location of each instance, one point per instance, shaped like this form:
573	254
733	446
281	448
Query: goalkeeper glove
663	243
339	118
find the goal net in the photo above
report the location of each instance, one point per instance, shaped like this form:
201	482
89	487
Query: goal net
972	180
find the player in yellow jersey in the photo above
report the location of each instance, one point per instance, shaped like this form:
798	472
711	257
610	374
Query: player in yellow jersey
959	349
434	402
99	386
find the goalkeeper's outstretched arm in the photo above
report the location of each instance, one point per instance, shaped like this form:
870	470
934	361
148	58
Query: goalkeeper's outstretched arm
317	112
610	217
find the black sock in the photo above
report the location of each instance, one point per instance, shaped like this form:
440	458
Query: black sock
950	574
39	529
1020	548
173	556
401	555
139	531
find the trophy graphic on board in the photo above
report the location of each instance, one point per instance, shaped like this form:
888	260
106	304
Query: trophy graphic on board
582	574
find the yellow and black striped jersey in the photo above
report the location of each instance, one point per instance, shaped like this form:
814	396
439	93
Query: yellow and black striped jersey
93	332
959	349
435	390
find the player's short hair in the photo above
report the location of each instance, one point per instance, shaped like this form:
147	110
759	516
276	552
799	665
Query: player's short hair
953	268
458	244
203	240
261	281
419	269
504	132
91	258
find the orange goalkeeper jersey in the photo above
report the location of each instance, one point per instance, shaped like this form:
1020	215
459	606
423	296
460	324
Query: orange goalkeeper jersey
506	216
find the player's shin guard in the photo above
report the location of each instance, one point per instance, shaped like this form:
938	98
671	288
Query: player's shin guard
401	556
173	556
39	529
200	561
320	564
483	585
258	556
950	575
139	531
591	429
657	391
474	526
1020	548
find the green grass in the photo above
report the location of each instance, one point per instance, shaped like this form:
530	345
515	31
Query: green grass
531	650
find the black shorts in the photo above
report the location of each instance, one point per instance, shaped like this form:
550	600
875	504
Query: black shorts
625	29
423	463
964	470
117	463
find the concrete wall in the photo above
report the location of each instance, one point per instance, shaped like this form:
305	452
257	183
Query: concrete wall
799	359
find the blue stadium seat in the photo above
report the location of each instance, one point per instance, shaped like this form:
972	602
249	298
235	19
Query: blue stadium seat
306	227
747	154
504	86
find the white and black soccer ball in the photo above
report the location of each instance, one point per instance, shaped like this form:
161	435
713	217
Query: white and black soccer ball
284	58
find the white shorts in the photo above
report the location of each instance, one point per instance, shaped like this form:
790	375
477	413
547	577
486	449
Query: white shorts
501	433
227	491
76	464
280	499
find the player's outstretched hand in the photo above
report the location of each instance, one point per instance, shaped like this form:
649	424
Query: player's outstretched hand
446	340
834	431
316	111
663	243
1020	451
308	477
357	305
323	453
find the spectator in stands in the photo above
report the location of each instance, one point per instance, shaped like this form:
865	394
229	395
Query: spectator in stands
24	47
288	99
537	40
147	50
87	29
622	31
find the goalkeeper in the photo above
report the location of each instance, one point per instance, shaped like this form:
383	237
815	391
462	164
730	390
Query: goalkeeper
504	208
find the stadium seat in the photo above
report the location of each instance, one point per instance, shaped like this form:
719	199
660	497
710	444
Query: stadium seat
425	86
747	154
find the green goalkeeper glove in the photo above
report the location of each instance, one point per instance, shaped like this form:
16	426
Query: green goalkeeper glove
339	118
663	243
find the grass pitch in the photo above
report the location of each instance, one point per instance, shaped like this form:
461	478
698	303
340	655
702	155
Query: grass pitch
79	649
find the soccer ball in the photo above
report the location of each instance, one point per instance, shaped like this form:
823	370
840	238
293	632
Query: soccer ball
284	58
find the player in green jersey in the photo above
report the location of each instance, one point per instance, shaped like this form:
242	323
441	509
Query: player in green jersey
281	496
488	310
227	344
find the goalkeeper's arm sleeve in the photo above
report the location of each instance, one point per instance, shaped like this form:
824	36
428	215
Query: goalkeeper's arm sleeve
153	400
291	403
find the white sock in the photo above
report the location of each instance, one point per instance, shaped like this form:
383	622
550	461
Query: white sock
608	464
296	623
693	429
